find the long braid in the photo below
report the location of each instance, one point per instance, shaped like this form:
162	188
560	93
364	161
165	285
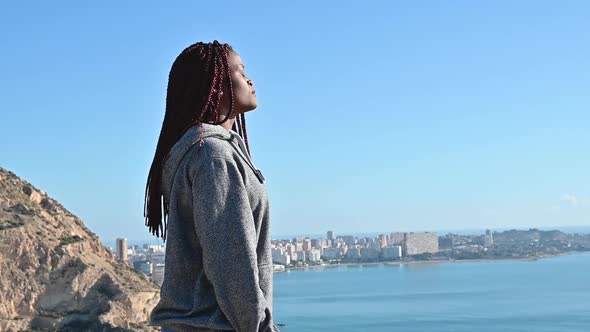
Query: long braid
195	83
244	134
239	126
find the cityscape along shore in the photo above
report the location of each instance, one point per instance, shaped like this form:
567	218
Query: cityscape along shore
416	262
396	248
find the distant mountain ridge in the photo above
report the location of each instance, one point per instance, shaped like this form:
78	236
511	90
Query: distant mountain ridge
55	274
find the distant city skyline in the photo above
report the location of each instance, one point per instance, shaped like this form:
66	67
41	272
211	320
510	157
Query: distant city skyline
393	115
318	251
569	229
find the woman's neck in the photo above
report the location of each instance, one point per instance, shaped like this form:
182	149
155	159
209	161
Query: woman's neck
230	121
228	124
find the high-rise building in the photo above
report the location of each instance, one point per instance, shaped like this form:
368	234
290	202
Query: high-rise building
280	256
299	246
143	266
301	256
122	249
155	248
383	240
370	253
314	255
331	253
306	244
374	244
158	258
316	243
446	242
323	243
290	248
420	243
488	238
396	238
297	240
158	261
393	252
158	273
348	239
330	235
353	252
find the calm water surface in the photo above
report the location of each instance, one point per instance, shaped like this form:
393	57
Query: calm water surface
551	294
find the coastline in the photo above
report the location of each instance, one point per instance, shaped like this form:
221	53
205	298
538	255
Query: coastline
442	261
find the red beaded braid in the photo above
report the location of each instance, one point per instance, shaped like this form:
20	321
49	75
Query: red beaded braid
195	85
244	134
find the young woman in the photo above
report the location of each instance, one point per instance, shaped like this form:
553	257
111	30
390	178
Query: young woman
218	274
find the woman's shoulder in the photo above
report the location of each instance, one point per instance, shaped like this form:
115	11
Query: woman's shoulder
212	149
216	148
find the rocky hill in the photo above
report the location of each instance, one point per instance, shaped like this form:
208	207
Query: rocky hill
55	275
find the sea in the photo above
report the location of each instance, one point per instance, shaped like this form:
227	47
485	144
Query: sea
549	294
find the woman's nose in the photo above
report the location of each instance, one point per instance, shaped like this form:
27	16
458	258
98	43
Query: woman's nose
250	83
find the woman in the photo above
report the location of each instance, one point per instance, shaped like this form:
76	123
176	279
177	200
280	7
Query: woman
218	274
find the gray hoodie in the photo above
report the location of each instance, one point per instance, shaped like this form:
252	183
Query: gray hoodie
218	274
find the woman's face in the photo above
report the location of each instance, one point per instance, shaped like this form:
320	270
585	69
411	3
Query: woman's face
244	93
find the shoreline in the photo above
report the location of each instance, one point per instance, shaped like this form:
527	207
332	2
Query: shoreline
441	261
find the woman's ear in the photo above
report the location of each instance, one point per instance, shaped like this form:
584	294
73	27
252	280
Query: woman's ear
225	100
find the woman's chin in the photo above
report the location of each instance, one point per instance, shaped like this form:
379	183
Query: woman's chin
251	107
243	108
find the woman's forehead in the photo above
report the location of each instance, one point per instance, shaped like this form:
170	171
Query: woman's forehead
235	61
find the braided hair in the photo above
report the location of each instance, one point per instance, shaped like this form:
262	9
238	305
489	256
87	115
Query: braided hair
195	84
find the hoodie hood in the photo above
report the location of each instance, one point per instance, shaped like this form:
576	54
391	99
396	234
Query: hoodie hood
190	138
184	144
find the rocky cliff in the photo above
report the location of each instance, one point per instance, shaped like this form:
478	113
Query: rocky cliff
56	275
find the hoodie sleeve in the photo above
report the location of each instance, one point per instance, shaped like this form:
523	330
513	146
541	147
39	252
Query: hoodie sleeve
225	227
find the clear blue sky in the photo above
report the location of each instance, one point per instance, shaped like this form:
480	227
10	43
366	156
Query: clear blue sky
373	116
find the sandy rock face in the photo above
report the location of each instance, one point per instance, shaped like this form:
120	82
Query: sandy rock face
55	274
